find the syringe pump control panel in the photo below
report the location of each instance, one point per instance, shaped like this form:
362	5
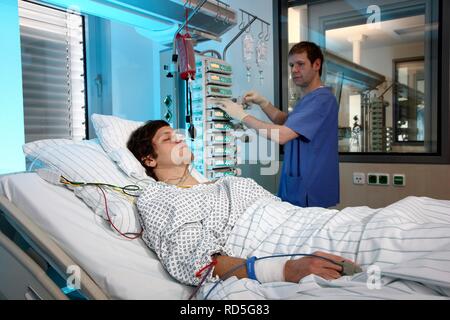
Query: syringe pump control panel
215	150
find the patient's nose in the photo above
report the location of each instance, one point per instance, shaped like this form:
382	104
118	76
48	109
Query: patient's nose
178	137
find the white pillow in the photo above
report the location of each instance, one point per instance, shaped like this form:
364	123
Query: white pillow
113	133
86	161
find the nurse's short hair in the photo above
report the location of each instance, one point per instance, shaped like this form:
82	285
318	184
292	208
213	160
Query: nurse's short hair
312	51
140	143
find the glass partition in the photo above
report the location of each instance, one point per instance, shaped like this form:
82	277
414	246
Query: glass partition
381	59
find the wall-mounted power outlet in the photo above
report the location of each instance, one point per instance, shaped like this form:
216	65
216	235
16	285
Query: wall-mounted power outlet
372	178
359	178
381	179
398	180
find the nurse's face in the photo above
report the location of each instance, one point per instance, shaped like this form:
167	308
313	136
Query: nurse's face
170	149
302	70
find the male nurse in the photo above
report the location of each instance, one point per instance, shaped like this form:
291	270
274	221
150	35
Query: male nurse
310	172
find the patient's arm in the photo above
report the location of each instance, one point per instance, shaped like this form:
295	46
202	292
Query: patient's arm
226	263
294	270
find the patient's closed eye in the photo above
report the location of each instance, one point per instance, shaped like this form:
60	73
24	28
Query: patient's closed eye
165	137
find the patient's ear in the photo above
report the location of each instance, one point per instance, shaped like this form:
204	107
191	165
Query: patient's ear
149	162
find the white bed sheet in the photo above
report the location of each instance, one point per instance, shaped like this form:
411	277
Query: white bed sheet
408	242
124	269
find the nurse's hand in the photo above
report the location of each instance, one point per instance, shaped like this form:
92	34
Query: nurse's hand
254	97
234	110
295	270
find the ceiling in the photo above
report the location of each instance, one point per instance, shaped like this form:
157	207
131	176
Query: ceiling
158	19
388	33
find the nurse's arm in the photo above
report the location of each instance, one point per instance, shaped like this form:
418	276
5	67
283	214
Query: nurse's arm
276	115
277	133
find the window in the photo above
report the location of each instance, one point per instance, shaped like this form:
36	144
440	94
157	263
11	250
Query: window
385	61
409	101
52	47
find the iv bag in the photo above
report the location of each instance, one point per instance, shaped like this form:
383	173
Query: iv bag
261	57
261	53
186	55
248	48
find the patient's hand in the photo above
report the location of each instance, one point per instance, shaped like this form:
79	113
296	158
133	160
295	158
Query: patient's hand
297	269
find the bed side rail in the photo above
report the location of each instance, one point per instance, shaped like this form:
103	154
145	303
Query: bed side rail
47	248
21	277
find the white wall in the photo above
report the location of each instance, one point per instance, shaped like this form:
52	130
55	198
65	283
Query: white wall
12	134
134	74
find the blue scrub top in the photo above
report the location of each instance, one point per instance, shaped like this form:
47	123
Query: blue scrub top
310	173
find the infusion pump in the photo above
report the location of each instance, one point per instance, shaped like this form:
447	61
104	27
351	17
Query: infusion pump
215	149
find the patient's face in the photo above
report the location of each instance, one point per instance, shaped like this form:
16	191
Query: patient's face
170	148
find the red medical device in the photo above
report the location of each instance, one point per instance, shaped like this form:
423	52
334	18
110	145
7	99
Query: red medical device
186	56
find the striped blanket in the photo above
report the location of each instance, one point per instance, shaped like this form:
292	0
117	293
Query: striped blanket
404	250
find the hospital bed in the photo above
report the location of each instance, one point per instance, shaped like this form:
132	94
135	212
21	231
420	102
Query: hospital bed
49	238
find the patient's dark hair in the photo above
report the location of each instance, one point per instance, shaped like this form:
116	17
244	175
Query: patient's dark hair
140	143
312	51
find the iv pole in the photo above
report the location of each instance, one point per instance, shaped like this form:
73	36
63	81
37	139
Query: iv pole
242	31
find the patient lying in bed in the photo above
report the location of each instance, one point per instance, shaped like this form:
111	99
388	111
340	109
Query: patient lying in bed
189	224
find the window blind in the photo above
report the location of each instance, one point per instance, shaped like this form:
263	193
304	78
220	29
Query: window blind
52	73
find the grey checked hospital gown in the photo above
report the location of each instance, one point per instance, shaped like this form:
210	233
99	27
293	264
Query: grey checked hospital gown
186	226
